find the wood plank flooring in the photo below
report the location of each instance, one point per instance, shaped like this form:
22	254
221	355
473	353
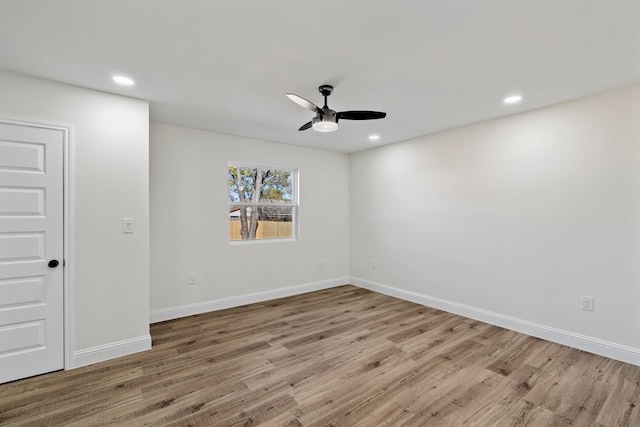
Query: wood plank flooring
339	357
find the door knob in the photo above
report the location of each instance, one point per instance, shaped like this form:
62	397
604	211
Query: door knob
53	263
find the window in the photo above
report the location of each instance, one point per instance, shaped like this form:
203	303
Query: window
262	202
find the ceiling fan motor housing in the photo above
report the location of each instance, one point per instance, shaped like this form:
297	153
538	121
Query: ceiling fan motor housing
325	121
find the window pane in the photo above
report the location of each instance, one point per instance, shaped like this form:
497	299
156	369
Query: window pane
260	222
259	185
240	181
277	186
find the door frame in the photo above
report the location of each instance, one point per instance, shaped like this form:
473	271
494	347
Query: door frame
67	232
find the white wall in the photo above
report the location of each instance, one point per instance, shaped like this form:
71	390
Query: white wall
518	216
109	152
189	220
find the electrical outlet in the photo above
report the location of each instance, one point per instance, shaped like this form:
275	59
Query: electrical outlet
192	278
586	303
374	263
320	263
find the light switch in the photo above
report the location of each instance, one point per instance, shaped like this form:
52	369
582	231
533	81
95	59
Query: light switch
127	225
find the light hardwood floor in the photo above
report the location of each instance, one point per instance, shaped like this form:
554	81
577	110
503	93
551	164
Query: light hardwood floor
339	357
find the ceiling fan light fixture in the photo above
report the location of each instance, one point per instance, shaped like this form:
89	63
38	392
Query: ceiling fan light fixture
326	124
321	126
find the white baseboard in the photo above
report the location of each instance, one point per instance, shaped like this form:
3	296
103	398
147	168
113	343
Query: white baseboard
101	353
163	314
570	339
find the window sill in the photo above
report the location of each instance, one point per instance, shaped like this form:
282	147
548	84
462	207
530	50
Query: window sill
261	241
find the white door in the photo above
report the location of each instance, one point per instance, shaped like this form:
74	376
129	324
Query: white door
31	242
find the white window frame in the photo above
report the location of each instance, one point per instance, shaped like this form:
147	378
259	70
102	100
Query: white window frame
294	203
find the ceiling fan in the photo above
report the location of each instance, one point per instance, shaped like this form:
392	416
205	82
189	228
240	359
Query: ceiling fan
326	119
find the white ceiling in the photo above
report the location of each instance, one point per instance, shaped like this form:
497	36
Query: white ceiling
226	65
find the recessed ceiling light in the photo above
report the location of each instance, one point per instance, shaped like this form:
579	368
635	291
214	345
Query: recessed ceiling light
123	80
513	99
374	137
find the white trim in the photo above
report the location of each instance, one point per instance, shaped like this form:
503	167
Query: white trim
223	303
260	241
582	342
69	249
67	232
571	339
259	165
104	352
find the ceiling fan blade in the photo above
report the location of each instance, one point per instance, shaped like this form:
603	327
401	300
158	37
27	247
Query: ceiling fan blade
305	126
361	115
303	102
